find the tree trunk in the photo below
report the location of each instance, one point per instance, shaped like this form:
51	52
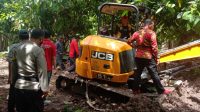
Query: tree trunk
3	43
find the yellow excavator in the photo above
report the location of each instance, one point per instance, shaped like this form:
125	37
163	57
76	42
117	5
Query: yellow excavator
106	61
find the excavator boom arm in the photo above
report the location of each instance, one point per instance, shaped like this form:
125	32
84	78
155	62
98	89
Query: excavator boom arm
187	51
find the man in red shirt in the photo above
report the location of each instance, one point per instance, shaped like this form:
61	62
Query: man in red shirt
73	52
146	56
50	53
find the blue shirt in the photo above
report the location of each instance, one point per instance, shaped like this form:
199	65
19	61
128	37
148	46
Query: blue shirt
59	47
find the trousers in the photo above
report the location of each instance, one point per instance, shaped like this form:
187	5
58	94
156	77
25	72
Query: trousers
49	73
11	98
29	100
59	61
151	66
72	65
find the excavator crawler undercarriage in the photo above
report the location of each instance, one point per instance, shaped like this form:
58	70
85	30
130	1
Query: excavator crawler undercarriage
122	92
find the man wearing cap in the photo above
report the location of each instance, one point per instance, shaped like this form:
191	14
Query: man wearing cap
12	66
32	81
146	56
73	52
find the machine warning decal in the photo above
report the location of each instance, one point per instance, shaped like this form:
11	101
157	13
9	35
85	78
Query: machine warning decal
102	55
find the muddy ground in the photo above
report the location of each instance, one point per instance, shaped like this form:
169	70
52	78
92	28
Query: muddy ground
185	98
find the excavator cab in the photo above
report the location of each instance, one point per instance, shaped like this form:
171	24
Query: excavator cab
103	56
114	17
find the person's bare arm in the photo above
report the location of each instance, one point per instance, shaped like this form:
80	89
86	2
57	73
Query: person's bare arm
10	59
9	72
54	62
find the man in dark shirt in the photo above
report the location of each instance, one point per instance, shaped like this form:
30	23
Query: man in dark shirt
59	53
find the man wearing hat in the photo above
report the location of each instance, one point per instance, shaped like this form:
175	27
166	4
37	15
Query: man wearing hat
23	36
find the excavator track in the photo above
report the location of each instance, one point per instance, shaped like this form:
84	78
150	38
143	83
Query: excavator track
119	93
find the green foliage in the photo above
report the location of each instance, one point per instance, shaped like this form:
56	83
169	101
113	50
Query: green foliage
58	16
69	108
175	19
2	55
0	99
192	14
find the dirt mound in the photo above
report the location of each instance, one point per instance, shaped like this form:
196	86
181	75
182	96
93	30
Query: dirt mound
142	103
185	98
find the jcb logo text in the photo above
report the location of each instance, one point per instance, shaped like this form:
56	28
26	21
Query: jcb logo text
102	55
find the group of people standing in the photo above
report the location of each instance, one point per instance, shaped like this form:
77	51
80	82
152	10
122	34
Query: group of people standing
31	62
